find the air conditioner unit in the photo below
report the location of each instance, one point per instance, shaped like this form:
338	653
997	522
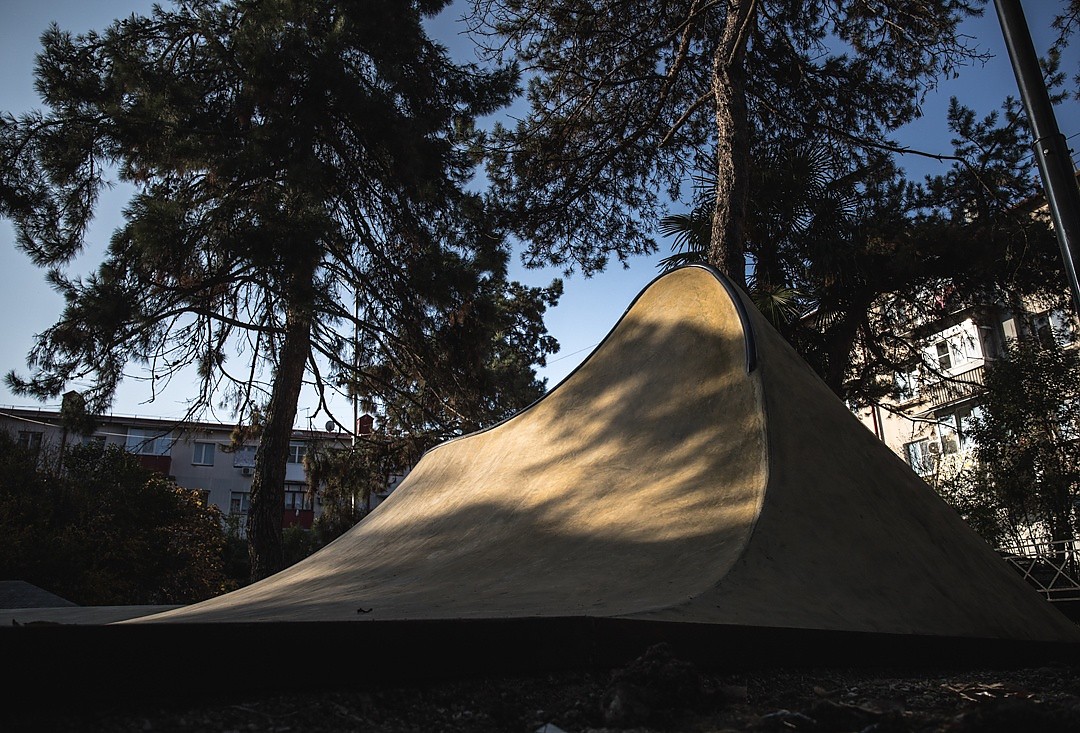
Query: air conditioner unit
246	471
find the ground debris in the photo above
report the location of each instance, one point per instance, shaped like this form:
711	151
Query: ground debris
658	693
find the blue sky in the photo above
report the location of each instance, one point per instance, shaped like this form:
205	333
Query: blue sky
589	308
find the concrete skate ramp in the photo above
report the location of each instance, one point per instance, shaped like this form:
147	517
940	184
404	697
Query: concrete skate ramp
692	470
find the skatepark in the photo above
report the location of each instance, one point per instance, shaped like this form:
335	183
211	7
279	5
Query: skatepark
692	481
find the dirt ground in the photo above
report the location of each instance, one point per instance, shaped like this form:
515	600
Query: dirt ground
657	692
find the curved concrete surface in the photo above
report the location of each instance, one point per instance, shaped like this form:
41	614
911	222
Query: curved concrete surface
76	614
671	477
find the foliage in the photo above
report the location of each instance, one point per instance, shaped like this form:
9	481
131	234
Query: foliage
1028	435
463	362
106	531
980	508
1065	23
236	562
298	543
629	99
300	215
880	273
346	477
869	257
1026	479
783	115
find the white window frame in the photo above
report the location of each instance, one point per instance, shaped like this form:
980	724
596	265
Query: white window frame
31	439
240	503
244	456
918	455
1055	322
948	435
297	451
907	384
952	428
296	496
198	453
148	442
943	357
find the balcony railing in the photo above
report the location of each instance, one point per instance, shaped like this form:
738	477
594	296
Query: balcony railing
954	389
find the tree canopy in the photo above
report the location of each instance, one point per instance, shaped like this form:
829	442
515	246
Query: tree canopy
301	212
628	100
783	116
1026	480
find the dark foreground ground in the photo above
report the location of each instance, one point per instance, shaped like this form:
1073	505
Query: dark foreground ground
655	693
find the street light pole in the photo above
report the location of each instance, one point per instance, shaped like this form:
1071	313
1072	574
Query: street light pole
1051	150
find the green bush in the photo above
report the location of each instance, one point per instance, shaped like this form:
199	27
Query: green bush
104	530
298	543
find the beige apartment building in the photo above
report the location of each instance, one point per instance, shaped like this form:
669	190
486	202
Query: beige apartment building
939	392
197	455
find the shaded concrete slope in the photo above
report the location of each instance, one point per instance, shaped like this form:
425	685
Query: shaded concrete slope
851	539
693	469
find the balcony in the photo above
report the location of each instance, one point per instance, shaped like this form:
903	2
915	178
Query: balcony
954	389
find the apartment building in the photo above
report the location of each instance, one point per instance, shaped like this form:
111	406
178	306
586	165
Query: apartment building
197	455
939	392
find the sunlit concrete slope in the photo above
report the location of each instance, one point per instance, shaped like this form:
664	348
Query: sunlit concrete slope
693	469
634	485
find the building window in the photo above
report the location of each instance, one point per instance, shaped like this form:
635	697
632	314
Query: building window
919	457
203	495
954	428
297	452
1052	326
30	439
1070	427
1064	327
944	358
296	497
239	502
95	440
954	348
244	456
907	385
203	454
145	442
948	435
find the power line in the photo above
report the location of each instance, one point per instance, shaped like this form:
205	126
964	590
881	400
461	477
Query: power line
572	353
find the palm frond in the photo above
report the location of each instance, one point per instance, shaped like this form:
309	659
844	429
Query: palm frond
779	304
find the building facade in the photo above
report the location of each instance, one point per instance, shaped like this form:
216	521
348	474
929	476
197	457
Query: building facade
197	455
939	393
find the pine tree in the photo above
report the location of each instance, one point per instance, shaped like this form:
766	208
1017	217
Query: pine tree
629	99
842	247
300	211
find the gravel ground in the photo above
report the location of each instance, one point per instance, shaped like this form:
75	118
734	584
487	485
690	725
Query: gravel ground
655	693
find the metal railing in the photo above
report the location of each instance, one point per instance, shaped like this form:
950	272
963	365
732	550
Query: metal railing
1052	568
955	388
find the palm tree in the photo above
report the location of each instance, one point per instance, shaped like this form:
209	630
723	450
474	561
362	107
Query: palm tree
691	232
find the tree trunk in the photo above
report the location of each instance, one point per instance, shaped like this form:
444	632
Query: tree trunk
271	460
726	250
839	347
